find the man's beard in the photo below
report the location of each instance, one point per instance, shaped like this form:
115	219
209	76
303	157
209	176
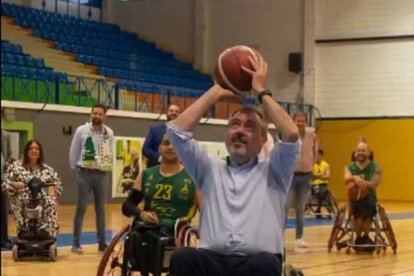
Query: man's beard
96	122
171	117
362	158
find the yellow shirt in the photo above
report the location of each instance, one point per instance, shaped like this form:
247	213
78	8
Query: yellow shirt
127	158
319	170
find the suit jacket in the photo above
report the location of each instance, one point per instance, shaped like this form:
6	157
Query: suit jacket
151	144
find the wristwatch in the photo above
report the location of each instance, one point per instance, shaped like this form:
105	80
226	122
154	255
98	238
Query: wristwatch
263	93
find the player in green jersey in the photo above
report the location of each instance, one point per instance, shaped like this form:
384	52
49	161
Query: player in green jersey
366	175
168	193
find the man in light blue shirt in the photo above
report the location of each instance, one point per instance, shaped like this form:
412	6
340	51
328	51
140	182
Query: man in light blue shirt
242	213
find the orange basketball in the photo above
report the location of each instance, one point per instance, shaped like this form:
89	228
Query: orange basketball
355	193
229	73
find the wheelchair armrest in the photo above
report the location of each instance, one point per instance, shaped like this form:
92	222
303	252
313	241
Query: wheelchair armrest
143	225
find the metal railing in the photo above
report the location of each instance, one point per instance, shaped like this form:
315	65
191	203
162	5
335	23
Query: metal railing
151	98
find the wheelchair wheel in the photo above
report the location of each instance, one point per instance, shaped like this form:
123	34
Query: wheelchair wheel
309	205
191	237
15	252
112	259
52	252
289	270
388	229
337	228
180	240
332	203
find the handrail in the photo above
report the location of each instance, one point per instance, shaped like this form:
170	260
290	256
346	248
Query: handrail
120	95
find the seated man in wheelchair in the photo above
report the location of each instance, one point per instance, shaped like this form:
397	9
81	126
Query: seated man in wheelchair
362	178
33	188
169	194
320	178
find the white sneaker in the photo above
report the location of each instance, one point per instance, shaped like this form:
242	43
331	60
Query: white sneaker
300	243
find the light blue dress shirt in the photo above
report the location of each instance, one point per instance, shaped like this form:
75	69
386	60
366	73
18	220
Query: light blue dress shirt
242	209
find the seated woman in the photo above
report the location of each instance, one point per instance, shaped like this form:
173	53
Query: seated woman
168	193
16	185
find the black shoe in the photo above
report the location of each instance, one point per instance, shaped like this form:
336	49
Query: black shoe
342	244
102	247
367	240
359	240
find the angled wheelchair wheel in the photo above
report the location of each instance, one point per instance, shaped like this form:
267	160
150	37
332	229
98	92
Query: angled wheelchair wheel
289	270
191	237
332	203
337	228
309	210
387	228
112	262
180	239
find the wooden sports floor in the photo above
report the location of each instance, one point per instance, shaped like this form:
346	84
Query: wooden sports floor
313	261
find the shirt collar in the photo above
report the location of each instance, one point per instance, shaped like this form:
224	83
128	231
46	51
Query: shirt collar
250	164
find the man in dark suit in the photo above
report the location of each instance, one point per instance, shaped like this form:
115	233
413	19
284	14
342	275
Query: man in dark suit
155	135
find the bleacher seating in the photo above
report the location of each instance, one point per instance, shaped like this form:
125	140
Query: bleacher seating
137	73
15	62
117	54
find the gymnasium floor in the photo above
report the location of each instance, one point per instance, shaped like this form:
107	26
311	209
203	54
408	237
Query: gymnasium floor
313	261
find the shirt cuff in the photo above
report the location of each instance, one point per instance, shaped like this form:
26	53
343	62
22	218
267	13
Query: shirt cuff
181	133
289	146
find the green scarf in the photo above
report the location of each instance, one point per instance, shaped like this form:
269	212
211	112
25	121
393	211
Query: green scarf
100	159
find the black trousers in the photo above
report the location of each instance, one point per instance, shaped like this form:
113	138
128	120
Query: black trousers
145	247
4	216
201	262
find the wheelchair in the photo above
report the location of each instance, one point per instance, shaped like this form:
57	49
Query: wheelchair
115	258
329	203
343	235
34	242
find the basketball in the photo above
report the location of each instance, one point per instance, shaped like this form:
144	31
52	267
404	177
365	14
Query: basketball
229	73
355	193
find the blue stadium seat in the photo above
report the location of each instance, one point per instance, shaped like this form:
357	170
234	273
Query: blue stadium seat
118	54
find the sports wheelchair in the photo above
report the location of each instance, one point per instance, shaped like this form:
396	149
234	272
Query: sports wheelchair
115	258
34	242
319	199
343	235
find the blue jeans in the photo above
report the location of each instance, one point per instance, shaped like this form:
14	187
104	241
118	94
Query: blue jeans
96	182
297	197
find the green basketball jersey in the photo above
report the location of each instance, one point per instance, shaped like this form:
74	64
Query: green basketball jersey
170	197
366	173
